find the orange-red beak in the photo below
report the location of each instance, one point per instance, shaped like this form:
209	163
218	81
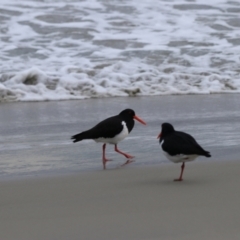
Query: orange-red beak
159	135
139	119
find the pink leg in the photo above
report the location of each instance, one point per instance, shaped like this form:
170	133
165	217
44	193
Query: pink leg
104	159
126	155
182	168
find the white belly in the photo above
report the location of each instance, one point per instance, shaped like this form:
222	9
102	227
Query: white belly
119	137
180	157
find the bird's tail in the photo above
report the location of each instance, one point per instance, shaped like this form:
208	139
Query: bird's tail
207	154
81	136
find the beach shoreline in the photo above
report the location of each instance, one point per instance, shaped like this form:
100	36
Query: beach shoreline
125	203
35	137
54	189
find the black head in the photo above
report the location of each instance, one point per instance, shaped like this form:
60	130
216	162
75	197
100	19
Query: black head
130	114
127	113
167	128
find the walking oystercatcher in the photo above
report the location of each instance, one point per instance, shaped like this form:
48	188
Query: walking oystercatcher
111	130
179	146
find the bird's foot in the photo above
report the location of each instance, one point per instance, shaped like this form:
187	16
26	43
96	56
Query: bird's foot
178	180
128	156
127	162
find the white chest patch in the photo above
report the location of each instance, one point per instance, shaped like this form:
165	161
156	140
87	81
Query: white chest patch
119	137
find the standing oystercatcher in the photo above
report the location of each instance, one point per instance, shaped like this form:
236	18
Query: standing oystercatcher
179	146
111	130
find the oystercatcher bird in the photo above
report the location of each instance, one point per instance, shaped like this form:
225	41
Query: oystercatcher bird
179	146
111	130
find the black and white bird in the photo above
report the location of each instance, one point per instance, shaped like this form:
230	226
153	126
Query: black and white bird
111	130
179	146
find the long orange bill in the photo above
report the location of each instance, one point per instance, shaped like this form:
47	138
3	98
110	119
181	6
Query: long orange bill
139	119
159	135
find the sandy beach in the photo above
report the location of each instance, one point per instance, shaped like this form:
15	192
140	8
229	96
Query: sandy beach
66	66
54	189
133	203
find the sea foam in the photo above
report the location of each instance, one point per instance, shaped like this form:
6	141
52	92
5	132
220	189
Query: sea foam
59	50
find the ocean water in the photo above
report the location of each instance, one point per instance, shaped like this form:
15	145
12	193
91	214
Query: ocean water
35	136
77	49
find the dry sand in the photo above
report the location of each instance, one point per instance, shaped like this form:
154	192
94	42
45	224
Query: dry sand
126	203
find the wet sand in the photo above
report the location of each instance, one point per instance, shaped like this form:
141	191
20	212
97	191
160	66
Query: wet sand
54	189
35	136
125	203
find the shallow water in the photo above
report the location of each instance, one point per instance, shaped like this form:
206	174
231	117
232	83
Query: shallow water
53	50
35	137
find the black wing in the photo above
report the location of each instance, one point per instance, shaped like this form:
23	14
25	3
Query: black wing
107	128
182	143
